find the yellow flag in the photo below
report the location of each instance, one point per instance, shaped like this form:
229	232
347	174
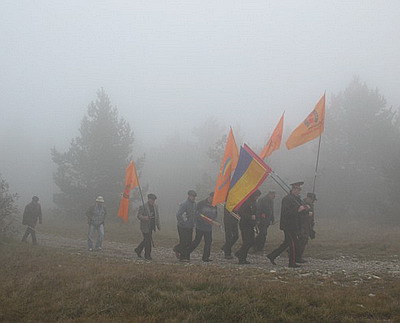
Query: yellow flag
311	128
275	141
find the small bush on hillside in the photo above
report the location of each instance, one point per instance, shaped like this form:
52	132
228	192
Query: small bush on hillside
8	209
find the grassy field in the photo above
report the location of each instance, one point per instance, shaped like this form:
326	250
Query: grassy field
46	284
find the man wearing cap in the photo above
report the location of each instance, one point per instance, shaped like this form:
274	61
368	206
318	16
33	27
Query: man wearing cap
32	213
185	218
306	225
292	206
205	211
96	215
247	213
265	217
149	221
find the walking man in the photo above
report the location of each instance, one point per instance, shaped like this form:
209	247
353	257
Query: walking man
247	213
96	215
32	213
292	206
265	217
149	221
185	218
231	226
205	213
306	226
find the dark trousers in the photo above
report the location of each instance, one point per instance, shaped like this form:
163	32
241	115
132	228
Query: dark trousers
185	240
32	232
207	243
303	240
231	234
259	241
247	242
146	244
290	241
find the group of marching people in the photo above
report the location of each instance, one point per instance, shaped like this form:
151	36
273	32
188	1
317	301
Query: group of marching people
253	218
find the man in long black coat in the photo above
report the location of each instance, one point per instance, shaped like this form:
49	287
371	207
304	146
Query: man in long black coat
292	206
32	213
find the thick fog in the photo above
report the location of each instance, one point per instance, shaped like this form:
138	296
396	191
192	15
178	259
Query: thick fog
173	68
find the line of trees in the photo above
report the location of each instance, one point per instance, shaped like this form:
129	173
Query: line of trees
359	167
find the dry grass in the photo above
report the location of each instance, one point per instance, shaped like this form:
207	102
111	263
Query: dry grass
45	284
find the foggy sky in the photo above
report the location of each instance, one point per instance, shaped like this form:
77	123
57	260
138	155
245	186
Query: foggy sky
168	65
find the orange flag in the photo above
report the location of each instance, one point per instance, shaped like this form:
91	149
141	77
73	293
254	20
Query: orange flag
131	181
311	128
228	165
275	141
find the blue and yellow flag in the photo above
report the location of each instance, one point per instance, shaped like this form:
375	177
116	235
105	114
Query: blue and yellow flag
250	173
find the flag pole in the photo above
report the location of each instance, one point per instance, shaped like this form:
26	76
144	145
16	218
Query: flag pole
316	164
319	148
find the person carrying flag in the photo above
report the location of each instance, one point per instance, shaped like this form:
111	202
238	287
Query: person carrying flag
247	213
265	217
292	206
206	214
231	226
149	221
306	226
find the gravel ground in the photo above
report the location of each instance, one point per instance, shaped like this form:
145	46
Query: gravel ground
344	265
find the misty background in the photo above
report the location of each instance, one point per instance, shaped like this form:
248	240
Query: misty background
180	73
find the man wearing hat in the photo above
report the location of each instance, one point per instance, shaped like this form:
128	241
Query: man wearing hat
292	206
185	217
32	213
205	211
96	215
149	221
306	225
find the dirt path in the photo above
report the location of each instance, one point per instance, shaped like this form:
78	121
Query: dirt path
316	267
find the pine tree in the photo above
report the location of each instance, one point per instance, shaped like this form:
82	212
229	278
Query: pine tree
96	160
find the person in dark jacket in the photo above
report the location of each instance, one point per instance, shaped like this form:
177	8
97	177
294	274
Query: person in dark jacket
185	217
231	226
205	211
264	217
149	221
32	213
306	225
292	206
96	215
247	213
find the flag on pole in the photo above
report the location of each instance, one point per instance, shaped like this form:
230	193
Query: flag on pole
131	182
228	165
250	173
275	141
311	128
